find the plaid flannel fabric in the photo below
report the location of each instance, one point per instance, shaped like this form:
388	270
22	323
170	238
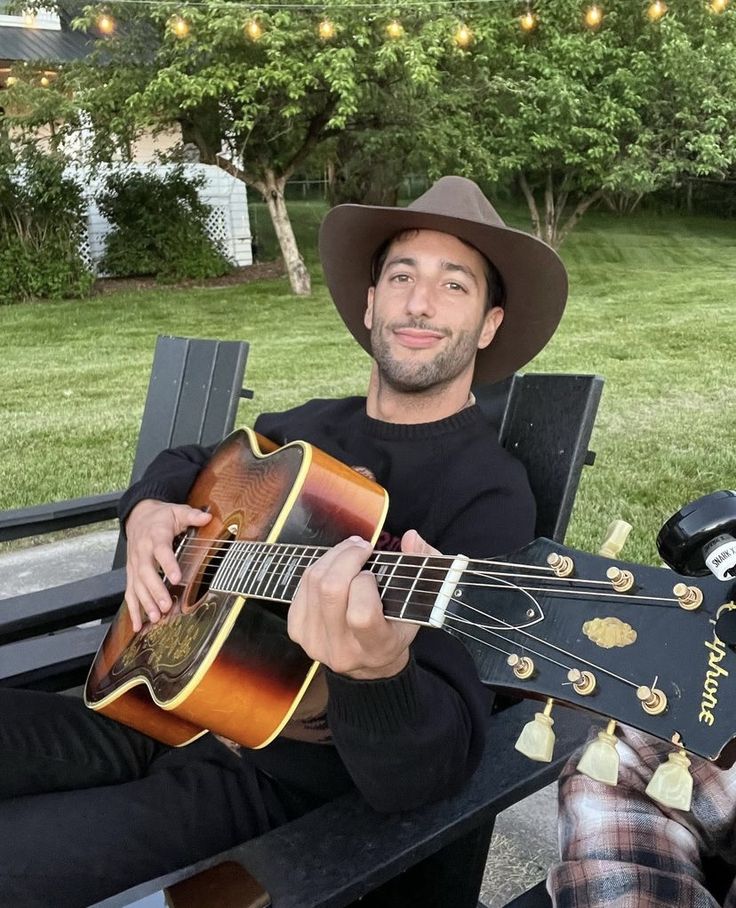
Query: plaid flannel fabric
623	850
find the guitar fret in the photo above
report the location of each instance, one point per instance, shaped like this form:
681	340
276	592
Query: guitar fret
387	585
241	573
289	572
411	588
276	571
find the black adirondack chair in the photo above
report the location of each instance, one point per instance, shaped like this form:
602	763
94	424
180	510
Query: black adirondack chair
193	396
346	853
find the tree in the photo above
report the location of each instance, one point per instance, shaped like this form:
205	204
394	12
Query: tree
571	113
256	106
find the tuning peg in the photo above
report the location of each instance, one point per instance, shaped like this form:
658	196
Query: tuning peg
672	784
600	759
537	740
616	536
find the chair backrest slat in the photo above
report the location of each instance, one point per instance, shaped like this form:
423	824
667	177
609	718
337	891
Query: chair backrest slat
546	420
193	395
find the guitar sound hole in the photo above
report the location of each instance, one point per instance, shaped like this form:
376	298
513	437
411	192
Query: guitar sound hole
212	562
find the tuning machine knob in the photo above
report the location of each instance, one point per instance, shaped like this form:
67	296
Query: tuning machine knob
615	539
537	740
600	759
672	783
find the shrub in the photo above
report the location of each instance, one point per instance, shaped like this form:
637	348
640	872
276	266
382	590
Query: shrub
42	223
158	227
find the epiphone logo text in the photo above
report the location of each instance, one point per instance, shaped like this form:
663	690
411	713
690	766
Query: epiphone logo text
717	650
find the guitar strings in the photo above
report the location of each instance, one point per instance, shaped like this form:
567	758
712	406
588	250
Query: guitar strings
314	553
270	569
522	631
390	597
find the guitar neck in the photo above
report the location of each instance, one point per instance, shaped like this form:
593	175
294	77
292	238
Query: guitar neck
412	587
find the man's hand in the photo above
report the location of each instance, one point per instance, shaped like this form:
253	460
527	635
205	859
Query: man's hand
151	528
337	615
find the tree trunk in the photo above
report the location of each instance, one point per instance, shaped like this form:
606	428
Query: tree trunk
580	209
533	210
272	190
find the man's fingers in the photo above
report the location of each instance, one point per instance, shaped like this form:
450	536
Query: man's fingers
186	517
413	544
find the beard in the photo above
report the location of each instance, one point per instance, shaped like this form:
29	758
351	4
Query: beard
412	377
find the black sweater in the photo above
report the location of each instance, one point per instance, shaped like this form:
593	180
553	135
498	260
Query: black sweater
417	736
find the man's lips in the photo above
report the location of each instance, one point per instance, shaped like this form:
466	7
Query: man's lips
417	338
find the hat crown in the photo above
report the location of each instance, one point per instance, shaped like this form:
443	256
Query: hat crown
457	197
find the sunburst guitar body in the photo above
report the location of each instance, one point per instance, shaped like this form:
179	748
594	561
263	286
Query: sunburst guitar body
221	660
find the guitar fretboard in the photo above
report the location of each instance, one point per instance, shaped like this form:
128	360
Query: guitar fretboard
411	587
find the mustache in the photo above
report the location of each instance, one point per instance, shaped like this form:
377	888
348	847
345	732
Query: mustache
419	325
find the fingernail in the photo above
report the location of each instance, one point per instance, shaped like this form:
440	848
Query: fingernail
358	540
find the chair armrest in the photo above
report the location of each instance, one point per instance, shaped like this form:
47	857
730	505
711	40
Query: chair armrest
61	606
57	515
52	662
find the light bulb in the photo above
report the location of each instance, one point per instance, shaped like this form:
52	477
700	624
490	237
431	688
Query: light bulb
593	16
463	37
326	30
106	24
179	26
656	10
253	30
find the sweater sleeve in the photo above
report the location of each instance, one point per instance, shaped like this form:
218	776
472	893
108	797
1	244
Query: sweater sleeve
416	737
169	477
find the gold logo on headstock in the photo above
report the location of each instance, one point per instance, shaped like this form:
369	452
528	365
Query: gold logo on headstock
609	632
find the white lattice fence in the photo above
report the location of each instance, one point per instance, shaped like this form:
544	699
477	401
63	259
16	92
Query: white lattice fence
228	224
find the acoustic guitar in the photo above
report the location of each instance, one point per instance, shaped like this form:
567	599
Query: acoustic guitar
633	643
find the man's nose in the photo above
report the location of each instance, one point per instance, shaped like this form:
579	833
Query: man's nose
421	300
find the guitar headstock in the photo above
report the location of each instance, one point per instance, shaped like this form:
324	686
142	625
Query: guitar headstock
628	642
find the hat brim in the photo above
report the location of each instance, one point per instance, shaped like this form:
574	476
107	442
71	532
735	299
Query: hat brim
533	274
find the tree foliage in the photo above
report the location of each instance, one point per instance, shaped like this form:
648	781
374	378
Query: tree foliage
257	108
571	114
574	113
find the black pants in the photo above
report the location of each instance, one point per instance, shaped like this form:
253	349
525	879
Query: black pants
89	807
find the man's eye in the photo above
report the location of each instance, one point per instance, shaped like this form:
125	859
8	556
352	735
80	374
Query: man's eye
453	285
401	278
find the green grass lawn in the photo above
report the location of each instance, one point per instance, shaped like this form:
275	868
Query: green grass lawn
651	309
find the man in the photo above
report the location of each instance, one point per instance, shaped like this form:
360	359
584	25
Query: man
438	293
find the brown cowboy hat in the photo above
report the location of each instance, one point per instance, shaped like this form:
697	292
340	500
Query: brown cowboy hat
534	277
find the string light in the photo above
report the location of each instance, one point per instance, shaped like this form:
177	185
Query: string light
656	10
179	26
106	24
253	29
463	37
395	30
45	81
528	22
593	16
719	6
326	30
11	80
29	20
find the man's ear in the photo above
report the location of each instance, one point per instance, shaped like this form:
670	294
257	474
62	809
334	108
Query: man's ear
368	315
491	324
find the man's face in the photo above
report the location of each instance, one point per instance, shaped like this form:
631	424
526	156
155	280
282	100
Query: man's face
426	313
